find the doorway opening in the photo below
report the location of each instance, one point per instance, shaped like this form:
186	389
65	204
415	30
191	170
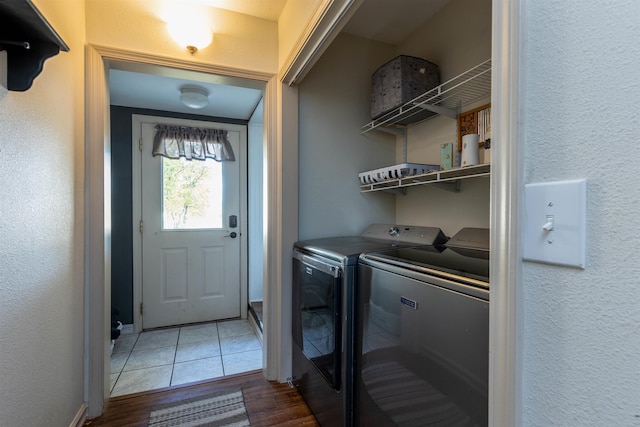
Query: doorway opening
189	261
100	252
151	90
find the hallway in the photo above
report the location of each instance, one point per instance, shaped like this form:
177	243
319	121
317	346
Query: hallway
162	358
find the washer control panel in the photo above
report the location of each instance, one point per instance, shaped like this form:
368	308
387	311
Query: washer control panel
406	234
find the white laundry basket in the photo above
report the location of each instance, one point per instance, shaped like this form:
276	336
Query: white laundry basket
399	171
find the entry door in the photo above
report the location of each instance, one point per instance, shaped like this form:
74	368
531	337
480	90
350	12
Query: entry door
190	236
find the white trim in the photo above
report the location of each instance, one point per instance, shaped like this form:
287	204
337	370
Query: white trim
81	416
97	236
272	249
505	361
243	227
136	187
97	252
282	214
325	25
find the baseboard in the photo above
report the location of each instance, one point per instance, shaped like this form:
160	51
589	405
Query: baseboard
255	327
81	416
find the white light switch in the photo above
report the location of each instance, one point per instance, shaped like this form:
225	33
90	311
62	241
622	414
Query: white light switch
556	222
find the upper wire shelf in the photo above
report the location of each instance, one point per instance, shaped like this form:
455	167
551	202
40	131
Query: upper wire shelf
445	99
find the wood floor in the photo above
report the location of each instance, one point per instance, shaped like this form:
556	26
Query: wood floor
267	403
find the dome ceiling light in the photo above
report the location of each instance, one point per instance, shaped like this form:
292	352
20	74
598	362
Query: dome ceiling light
194	97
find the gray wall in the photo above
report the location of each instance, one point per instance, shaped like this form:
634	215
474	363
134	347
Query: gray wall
333	105
121	203
457	38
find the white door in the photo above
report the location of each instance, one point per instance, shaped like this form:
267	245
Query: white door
190	235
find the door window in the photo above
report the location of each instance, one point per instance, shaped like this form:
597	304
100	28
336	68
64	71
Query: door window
192	194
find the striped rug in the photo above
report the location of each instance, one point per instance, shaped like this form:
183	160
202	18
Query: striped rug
212	410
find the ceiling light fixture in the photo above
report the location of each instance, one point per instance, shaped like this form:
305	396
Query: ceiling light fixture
194	97
192	32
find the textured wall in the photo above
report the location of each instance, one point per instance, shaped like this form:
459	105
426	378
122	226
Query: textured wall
580	103
41	235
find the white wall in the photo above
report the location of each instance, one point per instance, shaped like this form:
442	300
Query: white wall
581	337
41	235
255	160
334	104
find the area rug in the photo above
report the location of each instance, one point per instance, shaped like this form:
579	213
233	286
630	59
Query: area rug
212	410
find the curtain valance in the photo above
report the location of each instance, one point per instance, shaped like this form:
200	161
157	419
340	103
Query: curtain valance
192	143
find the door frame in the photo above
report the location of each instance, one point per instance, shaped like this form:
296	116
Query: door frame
97	256
136	182
507	214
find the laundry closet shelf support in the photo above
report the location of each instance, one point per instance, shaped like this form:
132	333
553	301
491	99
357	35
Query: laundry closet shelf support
452	113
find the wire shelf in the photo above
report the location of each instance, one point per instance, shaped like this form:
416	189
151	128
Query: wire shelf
447	98
433	178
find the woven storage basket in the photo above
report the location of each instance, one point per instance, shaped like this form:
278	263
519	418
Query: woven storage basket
399	81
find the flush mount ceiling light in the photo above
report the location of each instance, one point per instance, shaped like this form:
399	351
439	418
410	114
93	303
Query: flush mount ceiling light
194	97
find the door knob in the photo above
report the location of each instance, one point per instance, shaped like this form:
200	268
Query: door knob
233	234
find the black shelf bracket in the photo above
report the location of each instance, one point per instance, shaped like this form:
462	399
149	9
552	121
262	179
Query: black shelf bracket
28	39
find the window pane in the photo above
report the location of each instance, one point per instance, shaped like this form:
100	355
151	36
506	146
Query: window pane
192	194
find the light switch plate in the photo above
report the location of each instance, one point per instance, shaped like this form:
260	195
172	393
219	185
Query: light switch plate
555	224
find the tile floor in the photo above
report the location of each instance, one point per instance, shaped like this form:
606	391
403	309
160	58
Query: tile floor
181	355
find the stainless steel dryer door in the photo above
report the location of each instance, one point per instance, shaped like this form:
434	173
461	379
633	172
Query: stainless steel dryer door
316	318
